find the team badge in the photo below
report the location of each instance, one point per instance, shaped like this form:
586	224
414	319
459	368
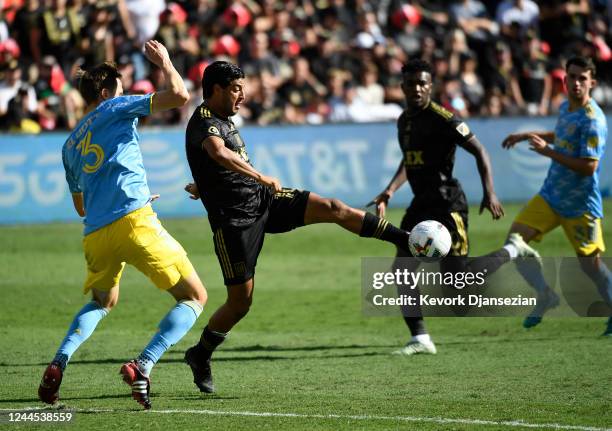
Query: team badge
463	129
593	142
213	130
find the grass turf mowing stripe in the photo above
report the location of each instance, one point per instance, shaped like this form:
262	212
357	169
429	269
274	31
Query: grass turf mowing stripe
439	420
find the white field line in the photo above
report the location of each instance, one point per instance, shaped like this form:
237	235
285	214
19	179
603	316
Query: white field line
437	420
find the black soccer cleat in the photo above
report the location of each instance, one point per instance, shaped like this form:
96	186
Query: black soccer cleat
200	367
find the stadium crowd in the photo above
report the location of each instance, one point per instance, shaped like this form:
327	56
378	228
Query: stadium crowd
307	61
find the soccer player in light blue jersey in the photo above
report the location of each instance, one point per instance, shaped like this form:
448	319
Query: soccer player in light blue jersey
570	196
106	177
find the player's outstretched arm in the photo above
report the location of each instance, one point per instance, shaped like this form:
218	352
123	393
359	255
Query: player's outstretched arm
382	199
581	165
176	95
489	199
217	150
514	138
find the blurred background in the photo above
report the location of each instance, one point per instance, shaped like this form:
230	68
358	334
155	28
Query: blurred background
307	62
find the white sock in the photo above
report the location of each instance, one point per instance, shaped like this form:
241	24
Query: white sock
422	338
512	250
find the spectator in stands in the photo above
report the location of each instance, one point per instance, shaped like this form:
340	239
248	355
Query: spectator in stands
58	33
563	22
26	20
471	85
299	93
504	79
97	41
524	13
534	77
11	85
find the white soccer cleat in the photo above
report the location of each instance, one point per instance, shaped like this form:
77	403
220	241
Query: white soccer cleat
523	249
416	347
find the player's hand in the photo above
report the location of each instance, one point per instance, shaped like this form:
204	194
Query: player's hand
494	206
193	191
271	182
154	197
381	201
156	53
512	140
537	144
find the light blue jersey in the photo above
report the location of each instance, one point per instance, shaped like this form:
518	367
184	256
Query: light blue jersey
581	133
102	160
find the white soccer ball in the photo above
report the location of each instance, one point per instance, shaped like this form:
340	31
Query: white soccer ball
429	239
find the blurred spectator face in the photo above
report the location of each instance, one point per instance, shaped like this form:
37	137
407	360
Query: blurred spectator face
440	66
301	70
13	75
259	45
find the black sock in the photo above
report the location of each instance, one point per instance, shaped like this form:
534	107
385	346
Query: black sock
416	325
210	340
376	227
491	262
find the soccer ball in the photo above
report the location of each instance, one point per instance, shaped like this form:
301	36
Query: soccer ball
429	239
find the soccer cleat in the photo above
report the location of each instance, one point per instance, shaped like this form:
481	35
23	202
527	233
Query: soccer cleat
608	331
48	391
544	303
416	347
200	367
524	250
141	385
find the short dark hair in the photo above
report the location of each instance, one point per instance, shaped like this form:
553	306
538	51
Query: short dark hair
416	65
92	82
221	73
583	62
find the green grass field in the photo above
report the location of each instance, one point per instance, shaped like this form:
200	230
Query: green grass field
305	357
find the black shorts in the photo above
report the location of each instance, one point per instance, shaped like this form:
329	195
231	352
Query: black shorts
456	223
237	248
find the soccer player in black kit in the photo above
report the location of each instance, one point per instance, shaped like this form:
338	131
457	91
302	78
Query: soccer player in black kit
428	135
244	204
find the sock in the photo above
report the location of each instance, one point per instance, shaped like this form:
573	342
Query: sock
512	250
380	228
416	325
602	278
210	340
492	261
422	338
172	328
532	273
81	328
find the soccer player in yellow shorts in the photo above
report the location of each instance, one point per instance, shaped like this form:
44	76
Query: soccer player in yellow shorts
570	196
107	180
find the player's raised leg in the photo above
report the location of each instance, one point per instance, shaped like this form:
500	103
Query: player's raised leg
365	224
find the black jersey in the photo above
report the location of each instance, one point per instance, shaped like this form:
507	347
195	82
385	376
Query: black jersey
428	140
230	198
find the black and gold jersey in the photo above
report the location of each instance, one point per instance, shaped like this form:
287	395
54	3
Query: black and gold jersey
230	198
428	140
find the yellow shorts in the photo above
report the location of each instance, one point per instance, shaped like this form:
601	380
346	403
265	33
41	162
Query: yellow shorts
139	239
584	232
